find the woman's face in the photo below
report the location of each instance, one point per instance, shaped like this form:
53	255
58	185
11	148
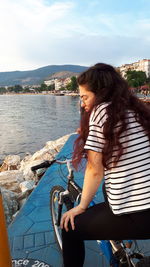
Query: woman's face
87	97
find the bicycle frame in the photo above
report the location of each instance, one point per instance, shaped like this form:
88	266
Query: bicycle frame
73	194
74	191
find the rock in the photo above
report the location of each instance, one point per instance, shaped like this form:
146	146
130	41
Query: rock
27	157
10	204
26	168
22	197
44	154
11	179
11	162
23	201
51	149
27	185
15	214
26	188
47	153
17	175
59	147
57	144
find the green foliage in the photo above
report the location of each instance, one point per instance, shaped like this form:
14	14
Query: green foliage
148	81
43	87
136	78
26	90
51	87
16	89
72	86
3	90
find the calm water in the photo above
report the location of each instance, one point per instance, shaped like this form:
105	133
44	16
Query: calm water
27	122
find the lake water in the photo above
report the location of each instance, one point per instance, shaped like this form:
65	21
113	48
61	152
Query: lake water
27	122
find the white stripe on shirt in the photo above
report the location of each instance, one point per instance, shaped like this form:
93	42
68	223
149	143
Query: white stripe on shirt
128	183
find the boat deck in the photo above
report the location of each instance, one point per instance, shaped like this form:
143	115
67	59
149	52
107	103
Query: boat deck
31	236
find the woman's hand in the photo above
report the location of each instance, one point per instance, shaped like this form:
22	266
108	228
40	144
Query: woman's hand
69	216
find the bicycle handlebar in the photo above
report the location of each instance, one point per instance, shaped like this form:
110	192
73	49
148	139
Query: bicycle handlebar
44	164
48	163
63	161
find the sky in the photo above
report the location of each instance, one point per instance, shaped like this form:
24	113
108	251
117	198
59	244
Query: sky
37	33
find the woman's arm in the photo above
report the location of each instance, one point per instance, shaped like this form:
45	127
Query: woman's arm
92	179
93	176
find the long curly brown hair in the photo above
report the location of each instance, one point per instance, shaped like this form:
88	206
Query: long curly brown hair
108	86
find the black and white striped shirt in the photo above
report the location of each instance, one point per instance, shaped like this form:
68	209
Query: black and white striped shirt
128	183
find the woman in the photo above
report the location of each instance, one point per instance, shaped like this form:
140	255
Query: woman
115	135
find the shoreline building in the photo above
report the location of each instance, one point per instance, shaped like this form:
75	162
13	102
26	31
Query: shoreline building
141	65
58	83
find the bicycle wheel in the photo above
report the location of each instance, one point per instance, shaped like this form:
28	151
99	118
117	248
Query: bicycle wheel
54	198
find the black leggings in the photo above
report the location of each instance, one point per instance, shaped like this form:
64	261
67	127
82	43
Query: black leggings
99	223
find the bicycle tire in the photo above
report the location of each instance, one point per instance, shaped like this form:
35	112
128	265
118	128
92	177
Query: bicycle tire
54	196
145	262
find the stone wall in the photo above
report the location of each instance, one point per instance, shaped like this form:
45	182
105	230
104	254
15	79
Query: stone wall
17	180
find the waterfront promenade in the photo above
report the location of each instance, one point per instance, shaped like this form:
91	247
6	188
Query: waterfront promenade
31	234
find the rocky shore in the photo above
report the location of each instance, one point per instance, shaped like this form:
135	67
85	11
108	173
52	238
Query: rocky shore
17	180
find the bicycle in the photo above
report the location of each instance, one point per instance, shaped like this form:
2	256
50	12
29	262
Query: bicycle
63	199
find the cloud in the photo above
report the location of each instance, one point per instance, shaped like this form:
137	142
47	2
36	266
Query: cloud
36	33
24	24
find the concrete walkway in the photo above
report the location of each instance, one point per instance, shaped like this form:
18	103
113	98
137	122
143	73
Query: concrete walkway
31	234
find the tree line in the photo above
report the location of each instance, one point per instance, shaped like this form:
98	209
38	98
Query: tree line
72	86
135	79
28	89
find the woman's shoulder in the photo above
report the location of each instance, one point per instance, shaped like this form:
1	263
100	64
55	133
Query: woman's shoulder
99	113
102	106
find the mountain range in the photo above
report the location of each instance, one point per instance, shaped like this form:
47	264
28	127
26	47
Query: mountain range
37	76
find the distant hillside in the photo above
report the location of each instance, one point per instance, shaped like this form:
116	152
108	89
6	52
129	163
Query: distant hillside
62	75
36	76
